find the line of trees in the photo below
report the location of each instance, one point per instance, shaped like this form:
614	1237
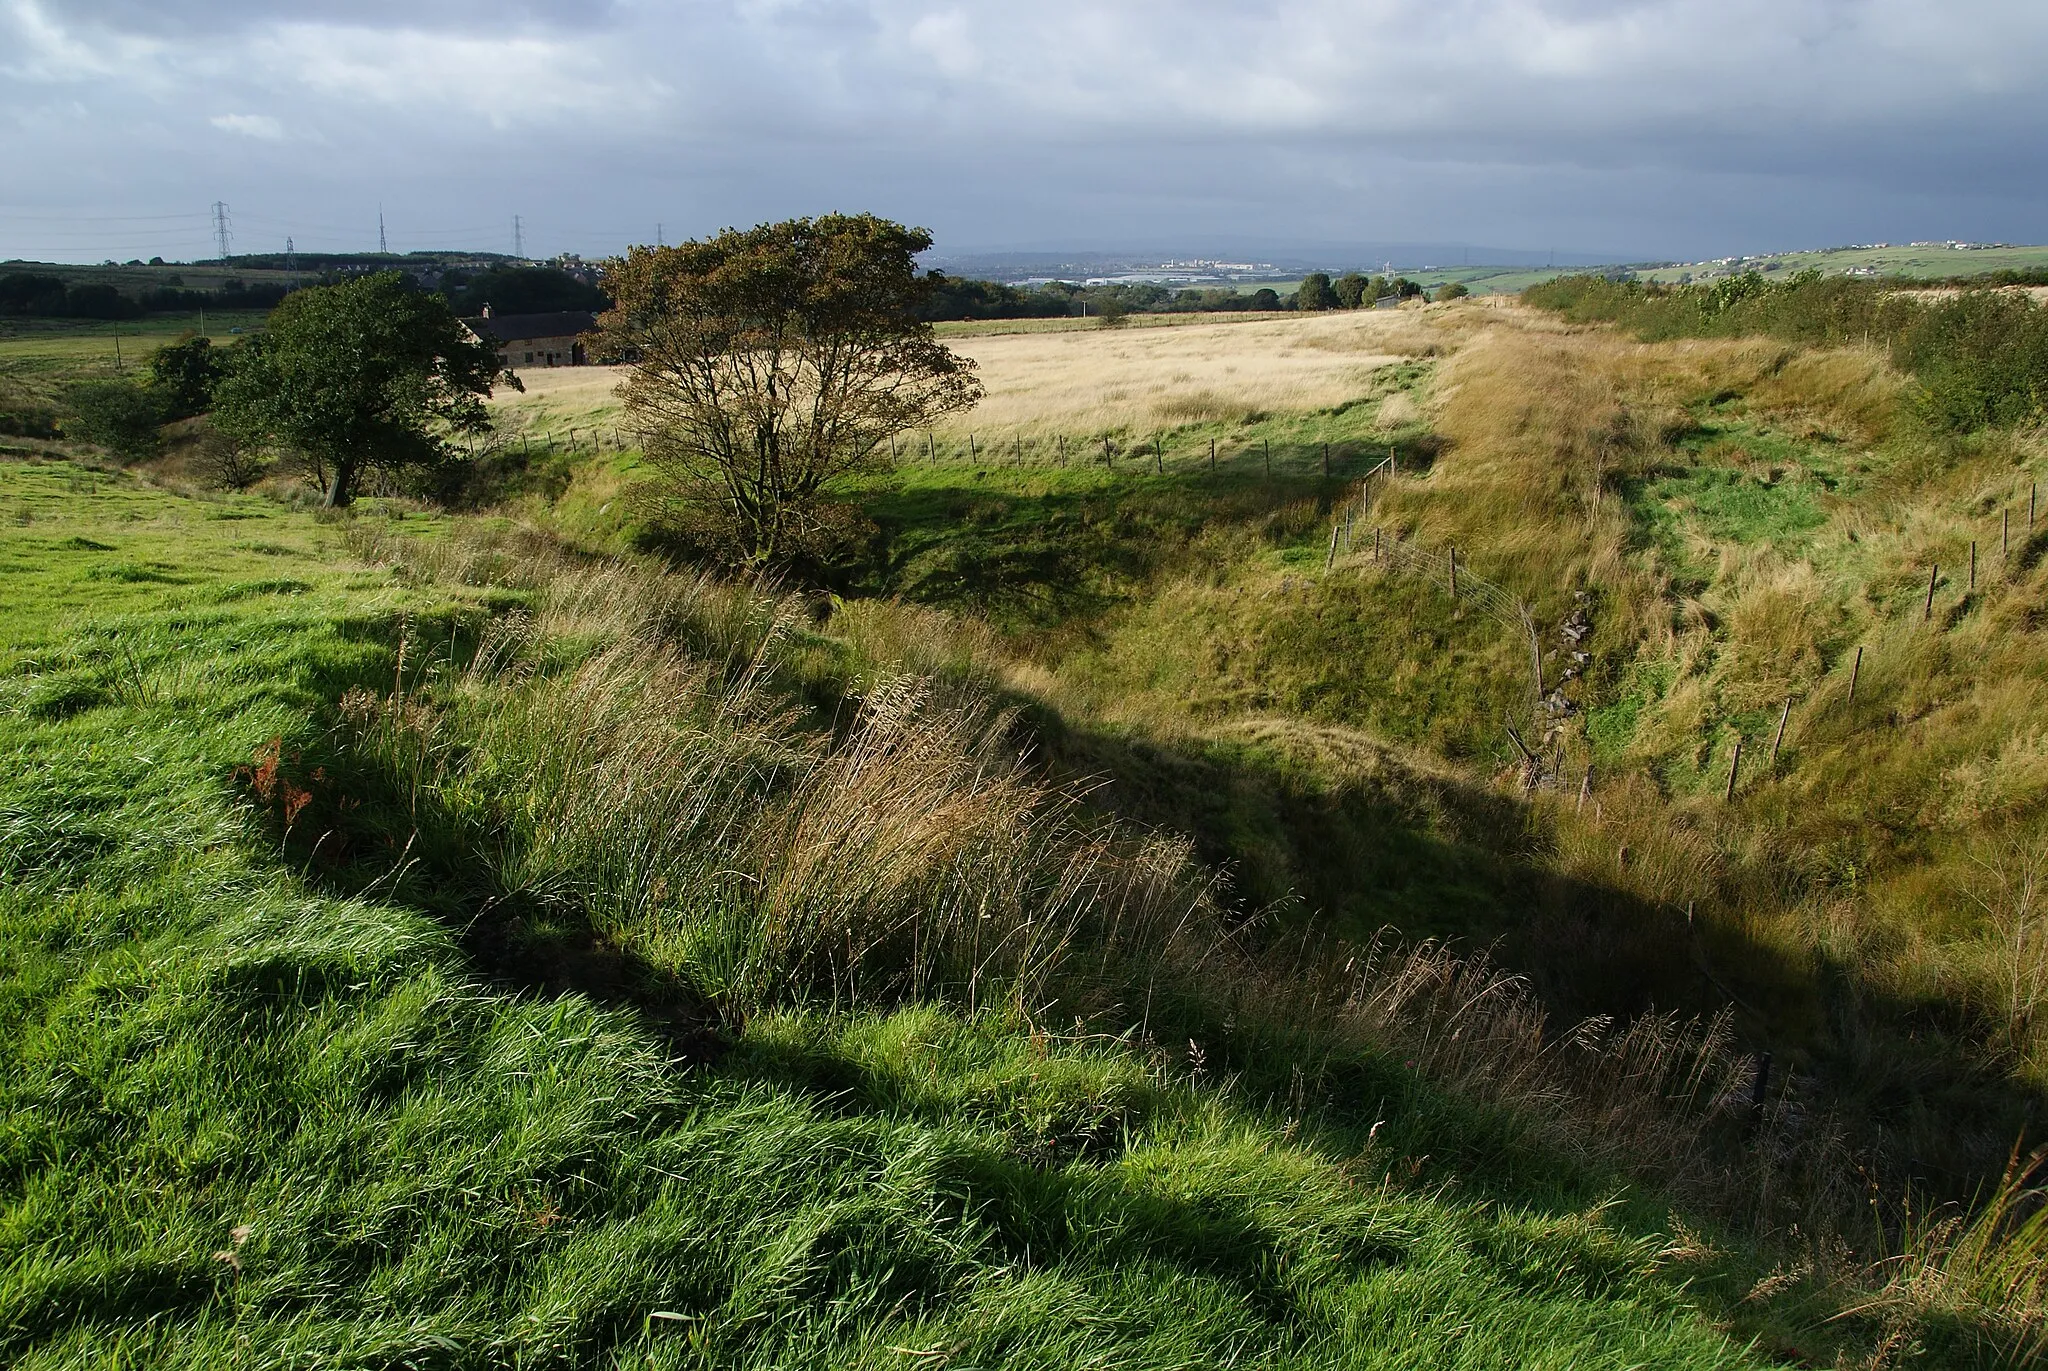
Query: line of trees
39	295
1979	358
507	289
962	298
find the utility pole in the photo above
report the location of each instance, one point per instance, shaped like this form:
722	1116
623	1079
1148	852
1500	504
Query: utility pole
223	233
518	238
383	248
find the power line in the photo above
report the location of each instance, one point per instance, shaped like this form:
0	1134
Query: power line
9	216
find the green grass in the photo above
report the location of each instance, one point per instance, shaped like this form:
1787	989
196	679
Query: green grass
1926	263
253	1117
1733	480
68	348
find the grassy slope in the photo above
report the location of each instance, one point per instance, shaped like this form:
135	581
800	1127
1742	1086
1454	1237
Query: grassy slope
251	1118
1745	516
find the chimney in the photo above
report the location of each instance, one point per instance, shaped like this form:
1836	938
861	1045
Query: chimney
487	309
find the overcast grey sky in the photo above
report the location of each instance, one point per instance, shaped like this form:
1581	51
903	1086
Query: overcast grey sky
1641	127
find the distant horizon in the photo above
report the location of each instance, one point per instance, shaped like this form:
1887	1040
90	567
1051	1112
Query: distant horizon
1282	255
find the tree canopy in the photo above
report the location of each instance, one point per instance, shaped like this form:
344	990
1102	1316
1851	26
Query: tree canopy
770	360
370	374
1315	292
520	290
184	374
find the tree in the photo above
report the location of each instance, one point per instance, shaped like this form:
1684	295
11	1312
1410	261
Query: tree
183	374
119	416
520	290
770	360
1453	290
1352	290
1315	292
1265	297
369	374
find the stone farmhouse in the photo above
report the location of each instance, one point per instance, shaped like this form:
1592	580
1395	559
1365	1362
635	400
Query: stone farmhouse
536	340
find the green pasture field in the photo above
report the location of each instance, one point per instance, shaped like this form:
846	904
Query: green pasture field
265	1108
43	353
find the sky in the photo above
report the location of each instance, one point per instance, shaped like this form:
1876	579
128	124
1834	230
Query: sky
1640	129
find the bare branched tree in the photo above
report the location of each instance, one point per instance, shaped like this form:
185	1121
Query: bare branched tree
769	360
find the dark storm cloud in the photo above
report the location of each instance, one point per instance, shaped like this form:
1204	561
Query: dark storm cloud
1654	126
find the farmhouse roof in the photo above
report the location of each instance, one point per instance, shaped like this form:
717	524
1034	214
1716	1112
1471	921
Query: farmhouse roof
517	328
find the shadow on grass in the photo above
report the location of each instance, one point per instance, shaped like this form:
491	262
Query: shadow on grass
357	829
1035	548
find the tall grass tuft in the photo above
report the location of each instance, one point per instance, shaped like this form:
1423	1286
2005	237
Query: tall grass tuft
1977	1282
678	803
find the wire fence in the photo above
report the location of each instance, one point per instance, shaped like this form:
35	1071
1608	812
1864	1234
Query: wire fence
1443	568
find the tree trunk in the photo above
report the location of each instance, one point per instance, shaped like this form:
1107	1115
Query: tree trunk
340	493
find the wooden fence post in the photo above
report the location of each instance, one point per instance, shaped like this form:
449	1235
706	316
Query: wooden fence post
1454	572
931	451
1158	455
1734	765
1269	459
972	455
1784	717
1107	459
1973	566
1854	672
1212	454
1927	610
892	449
1585	788
1375	545
1326	459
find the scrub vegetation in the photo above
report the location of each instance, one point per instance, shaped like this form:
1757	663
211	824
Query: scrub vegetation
1091	913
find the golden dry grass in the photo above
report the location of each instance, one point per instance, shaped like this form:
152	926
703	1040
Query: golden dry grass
1109	380
1103	380
558	398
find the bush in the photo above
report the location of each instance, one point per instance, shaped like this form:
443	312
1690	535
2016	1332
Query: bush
183	375
1453	290
1980	358
119	416
230	463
